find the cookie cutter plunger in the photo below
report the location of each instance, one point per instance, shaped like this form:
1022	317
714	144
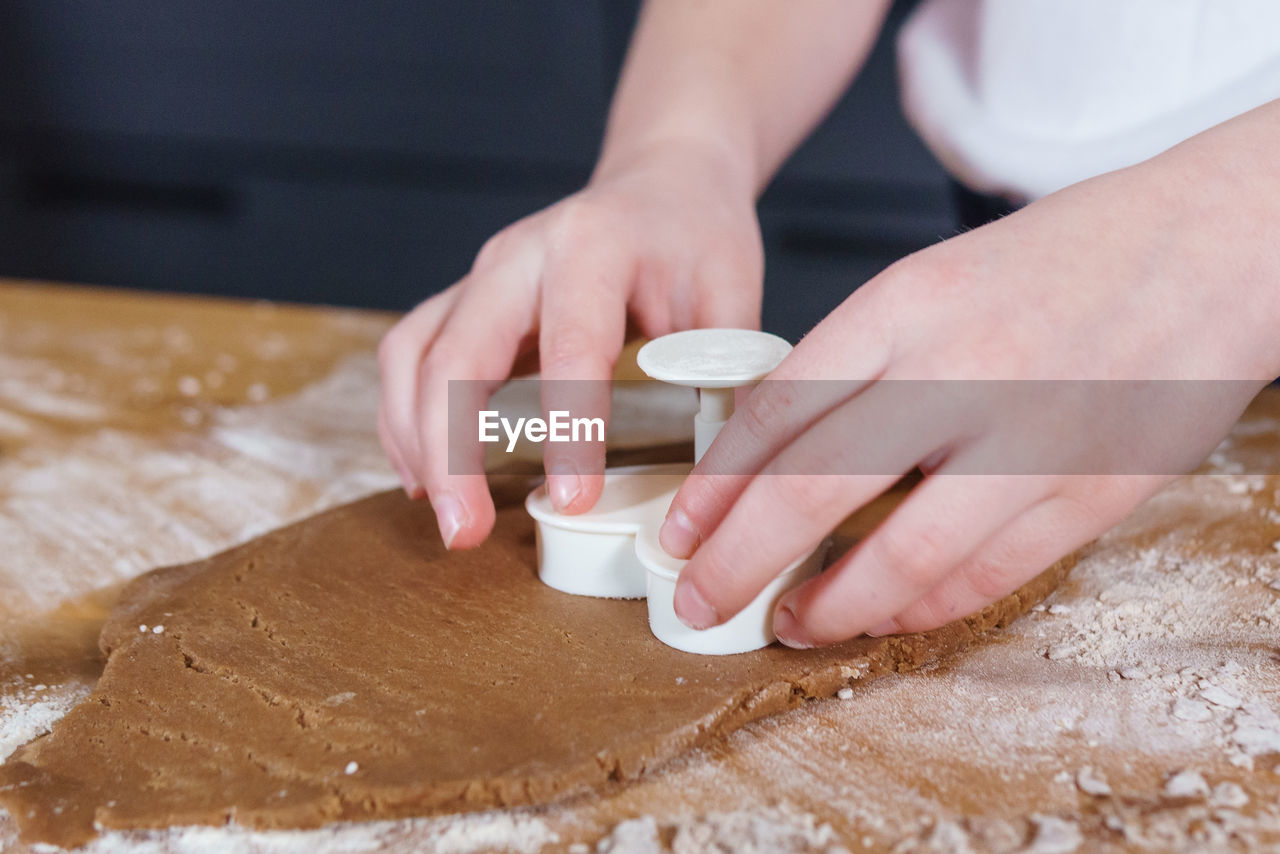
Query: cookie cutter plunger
716	362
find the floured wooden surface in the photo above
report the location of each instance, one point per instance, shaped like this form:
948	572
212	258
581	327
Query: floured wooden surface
1159	657
349	667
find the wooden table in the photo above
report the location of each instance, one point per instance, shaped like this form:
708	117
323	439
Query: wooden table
139	430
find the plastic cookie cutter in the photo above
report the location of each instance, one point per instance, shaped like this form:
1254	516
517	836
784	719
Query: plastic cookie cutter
594	553
613	551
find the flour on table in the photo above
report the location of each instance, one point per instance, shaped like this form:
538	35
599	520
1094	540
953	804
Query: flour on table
779	829
29	711
480	833
1175	610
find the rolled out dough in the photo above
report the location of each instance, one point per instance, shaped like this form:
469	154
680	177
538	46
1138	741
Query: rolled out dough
348	667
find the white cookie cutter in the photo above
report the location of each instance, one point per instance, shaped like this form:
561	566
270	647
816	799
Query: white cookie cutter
594	553
751	628
613	550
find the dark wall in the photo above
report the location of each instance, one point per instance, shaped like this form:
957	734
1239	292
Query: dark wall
361	153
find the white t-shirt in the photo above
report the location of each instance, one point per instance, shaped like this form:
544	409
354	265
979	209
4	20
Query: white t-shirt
1023	97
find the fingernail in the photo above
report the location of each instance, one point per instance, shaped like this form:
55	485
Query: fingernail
888	627
789	631
677	535
412	488
694	611
407	482
564	487
451	516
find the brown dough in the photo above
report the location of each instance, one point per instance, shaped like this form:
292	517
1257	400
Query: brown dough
453	681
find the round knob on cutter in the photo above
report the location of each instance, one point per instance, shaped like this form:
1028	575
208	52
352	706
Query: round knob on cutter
715	362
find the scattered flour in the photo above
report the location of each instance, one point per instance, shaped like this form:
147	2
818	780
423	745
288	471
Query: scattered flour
471	834
24	715
779	829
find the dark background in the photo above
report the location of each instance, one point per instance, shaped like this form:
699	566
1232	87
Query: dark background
360	153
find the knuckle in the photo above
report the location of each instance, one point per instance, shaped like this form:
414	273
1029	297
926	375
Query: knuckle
493	250
578	219
915	555
394	347
570	347
768	408
991	579
703	500
924	615
804	498
441	362
734	260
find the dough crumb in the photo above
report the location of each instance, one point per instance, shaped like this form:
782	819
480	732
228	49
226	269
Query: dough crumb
1134	672
845	693
157	630
1060	651
352	767
1054	836
142	627
1091	782
1220	696
1186	784
1230	795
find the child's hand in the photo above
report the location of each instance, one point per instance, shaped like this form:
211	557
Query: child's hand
1155	272
667	239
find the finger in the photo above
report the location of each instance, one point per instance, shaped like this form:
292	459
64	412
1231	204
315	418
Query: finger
1025	547
797	499
412	488
728	289
943	521
400	355
775	413
470	359
583	327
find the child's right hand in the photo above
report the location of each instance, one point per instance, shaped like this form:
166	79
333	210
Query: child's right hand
667	239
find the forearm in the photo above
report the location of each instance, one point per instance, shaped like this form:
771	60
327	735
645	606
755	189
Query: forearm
744	79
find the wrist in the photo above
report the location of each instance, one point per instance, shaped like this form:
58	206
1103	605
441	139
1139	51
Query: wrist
1219	197
678	152
702	121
